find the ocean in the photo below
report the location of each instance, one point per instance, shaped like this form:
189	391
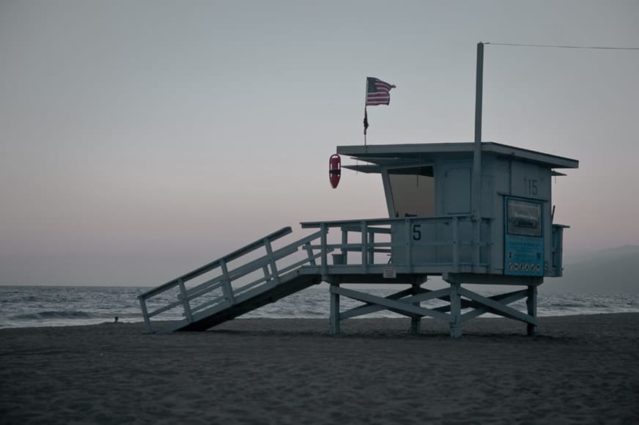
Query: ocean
29	306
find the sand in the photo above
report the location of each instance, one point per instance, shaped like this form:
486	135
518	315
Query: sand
577	370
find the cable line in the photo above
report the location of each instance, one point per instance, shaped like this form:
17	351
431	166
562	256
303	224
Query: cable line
562	46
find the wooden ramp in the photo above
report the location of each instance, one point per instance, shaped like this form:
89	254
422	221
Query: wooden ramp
290	284
242	281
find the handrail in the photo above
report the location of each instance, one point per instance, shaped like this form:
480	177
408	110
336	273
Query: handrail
375	221
266	263
215	263
253	265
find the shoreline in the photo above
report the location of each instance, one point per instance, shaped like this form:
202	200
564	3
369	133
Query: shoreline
249	319
578	369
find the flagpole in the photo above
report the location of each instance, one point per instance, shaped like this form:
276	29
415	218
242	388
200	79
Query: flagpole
365	122
476	182
479	86
365	110
477	149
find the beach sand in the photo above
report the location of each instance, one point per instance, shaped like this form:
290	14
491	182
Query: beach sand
577	370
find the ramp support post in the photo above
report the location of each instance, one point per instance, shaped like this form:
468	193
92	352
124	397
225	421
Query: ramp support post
145	314
227	288
185	301
335	319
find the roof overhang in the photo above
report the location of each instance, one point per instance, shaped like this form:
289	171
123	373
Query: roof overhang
410	155
416	168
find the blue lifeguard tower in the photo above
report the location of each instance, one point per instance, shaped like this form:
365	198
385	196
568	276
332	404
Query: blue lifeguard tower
472	213
446	218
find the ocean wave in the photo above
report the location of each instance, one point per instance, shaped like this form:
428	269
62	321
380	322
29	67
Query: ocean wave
19	299
46	315
565	305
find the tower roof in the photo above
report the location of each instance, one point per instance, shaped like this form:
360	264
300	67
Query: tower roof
420	154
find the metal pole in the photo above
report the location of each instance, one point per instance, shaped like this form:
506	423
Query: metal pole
365	112
477	150
365	122
476	189
479	90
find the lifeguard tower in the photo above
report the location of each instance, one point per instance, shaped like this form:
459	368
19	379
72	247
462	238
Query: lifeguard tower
447	217
473	213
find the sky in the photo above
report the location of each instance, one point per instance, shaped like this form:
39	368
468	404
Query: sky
140	139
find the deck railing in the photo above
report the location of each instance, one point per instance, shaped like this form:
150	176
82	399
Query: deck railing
451	243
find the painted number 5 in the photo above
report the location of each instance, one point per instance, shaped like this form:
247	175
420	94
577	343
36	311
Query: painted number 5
417	232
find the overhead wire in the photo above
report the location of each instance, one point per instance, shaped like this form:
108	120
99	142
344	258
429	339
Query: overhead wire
562	46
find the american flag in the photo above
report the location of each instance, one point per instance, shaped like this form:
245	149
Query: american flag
377	92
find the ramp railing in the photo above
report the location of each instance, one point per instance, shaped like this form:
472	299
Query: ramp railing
218	285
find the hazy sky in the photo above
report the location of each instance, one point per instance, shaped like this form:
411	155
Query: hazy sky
139	139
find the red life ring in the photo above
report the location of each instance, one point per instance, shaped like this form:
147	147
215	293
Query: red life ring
334	170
